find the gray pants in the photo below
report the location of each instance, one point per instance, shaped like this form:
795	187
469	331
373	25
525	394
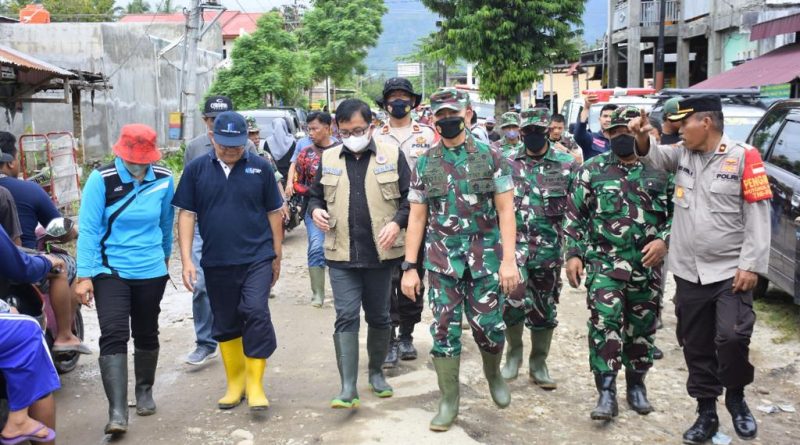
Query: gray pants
354	288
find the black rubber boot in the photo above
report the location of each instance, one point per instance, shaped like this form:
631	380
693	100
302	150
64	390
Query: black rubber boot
706	425
114	372
637	392
144	367
391	359
405	344
658	354
346	344
743	421
607	408
447	369
377	345
497	385
510	370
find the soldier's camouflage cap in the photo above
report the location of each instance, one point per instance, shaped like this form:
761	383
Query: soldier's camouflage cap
536	116
449	98
510	119
622	115
252	125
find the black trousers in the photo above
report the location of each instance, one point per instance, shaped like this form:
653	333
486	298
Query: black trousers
238	297
404	312
128	307
714	328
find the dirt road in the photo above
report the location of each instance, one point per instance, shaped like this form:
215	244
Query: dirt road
301	378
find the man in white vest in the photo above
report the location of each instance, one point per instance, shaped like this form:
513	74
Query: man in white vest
359	199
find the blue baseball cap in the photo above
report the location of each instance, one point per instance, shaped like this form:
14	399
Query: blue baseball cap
230	129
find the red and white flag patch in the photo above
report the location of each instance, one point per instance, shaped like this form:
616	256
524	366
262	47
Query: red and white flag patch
755	183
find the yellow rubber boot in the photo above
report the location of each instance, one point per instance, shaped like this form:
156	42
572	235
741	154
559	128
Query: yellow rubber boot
256	399
233	357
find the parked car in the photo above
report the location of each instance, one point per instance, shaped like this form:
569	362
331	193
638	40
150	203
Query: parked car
264	118
777	137
742	108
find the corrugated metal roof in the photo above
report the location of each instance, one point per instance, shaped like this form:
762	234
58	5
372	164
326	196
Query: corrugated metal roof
9	56
775	67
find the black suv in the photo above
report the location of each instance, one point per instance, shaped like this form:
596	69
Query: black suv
777	137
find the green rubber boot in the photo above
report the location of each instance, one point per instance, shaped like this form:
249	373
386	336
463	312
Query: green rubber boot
447	369
538	359
346	344
497	385
377	346
513	351
317	275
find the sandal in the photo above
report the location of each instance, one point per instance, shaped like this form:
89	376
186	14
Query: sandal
32	437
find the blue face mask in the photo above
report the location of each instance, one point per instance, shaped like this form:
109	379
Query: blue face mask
136	170
512	134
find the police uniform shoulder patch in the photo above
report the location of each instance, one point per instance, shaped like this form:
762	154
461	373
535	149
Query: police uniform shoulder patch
755	184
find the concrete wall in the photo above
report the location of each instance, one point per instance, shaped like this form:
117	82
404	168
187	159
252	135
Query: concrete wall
145	87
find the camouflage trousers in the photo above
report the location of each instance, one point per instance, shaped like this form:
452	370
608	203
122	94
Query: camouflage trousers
479	299
534	300
622	325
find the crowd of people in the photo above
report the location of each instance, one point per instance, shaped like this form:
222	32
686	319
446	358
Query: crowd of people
491	214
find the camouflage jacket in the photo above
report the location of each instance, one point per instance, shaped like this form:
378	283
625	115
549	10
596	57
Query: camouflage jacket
615	210
541	191
506	148
458	185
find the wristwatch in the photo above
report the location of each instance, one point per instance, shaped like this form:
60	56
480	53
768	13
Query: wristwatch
405	265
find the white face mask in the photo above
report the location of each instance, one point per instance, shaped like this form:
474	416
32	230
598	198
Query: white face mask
357	144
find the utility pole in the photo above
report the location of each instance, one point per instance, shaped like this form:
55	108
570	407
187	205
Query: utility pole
422	71
659	71
192	36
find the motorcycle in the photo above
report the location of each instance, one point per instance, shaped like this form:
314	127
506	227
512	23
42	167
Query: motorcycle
28	299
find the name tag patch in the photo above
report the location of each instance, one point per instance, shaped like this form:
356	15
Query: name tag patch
331	171
252	171
385	168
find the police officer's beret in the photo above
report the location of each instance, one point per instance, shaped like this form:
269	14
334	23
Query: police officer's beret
696	104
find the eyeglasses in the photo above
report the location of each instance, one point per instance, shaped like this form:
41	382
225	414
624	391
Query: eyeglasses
358	132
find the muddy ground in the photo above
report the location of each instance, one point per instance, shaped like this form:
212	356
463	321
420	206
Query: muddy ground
301	378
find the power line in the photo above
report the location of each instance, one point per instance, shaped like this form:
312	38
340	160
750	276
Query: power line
138	42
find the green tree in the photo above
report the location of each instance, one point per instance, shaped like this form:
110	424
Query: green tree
338	34
511	41
137	7
166	7
268	67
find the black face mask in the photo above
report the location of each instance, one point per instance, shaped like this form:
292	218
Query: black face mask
534	141
450	127
400	108
623	145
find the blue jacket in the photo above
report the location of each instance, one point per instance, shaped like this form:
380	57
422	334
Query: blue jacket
591	143
139	238
19	266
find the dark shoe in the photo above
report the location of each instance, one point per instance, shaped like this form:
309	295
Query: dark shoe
377	346
658	354
447	369
392	356
406	349
706	425
510	370
607	408
144	367
540	341
743	421
637	392
498	387
114	372
346	344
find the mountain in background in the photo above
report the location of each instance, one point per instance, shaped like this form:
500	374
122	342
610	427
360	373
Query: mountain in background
408	20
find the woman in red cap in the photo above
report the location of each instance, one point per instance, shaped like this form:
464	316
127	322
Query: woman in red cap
124	245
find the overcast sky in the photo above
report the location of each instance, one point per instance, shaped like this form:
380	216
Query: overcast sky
238	5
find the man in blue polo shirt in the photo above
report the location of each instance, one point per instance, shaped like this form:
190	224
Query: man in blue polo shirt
233	196
590	142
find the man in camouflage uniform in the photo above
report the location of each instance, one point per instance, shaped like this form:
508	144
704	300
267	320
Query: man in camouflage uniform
461	190
510	143
618	222
542	178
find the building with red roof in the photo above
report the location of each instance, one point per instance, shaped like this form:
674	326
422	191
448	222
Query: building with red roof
233	23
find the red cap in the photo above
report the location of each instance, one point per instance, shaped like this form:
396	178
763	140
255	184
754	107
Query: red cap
137	144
